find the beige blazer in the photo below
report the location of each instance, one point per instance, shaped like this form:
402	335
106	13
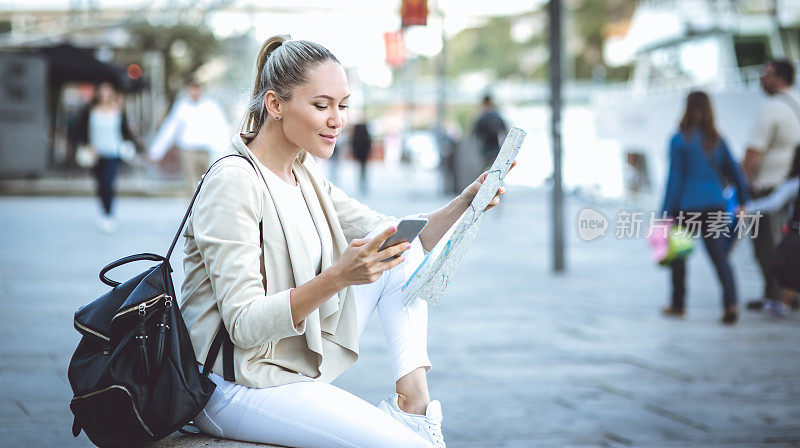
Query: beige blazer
230	276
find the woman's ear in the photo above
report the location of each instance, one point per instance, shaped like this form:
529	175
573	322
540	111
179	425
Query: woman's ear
273	106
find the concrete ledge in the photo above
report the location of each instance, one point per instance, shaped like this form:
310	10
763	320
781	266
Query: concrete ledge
85	186
178	440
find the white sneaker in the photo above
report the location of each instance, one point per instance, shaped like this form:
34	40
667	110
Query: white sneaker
777	309
428	426
107	224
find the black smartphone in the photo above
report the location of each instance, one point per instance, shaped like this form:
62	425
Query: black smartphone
407	230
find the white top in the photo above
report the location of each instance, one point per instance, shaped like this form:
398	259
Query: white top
105	133
290	199
776	134
192	126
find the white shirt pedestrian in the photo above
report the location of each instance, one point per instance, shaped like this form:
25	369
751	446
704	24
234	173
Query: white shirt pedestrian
192	126
776	134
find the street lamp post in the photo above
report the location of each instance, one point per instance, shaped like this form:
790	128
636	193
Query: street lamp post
446	156
554	9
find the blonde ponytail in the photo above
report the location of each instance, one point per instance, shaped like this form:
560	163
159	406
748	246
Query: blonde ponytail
256	116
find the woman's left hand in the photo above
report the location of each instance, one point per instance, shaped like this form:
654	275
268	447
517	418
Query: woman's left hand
469	193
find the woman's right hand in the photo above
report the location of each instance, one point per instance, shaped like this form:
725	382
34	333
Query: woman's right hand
361	262
741	212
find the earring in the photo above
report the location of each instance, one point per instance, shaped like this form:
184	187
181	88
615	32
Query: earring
277	117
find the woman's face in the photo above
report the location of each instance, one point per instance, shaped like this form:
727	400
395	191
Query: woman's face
105	93
317	112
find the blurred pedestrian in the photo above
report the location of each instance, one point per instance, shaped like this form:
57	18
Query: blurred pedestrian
767	162
700	161
785	194
289	264
490	130
335	159
102	129
198	127
361	143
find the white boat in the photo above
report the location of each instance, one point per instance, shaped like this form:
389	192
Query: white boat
682	45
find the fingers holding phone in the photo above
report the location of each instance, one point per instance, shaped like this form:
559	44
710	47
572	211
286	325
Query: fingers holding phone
365	260
407	230
360	264
393	252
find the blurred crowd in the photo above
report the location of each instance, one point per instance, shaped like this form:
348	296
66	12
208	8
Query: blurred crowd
707	186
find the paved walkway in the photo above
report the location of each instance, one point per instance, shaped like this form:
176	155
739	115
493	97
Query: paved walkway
522	358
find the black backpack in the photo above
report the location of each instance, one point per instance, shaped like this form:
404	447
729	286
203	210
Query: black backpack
134	375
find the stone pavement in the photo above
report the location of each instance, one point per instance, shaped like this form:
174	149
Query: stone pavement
522	357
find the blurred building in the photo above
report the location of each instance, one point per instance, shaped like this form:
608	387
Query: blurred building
40	91
50	61
51	57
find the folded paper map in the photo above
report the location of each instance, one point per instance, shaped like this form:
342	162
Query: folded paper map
432	276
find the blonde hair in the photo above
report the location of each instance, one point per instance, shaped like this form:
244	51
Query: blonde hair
282	65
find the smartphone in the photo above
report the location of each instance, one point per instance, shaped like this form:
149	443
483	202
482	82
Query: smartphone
407	230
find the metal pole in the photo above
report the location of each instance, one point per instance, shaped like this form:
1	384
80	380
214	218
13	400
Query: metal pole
554	8
408	73
441	112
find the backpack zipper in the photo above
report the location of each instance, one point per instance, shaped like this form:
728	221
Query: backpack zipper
142	307
133	406
80	326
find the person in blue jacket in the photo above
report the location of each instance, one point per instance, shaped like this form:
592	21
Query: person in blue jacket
700	166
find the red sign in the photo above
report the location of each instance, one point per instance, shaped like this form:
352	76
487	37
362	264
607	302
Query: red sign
414	12
134	71
395	48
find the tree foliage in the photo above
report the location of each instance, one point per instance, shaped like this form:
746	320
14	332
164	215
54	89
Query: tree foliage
491	46
184	47
590	20
486	47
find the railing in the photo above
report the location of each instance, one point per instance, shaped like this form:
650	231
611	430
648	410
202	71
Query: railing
730	79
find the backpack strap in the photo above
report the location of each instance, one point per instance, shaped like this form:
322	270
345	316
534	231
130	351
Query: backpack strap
194	197
222	338
710	159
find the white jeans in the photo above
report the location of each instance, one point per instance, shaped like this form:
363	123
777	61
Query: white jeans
320	415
